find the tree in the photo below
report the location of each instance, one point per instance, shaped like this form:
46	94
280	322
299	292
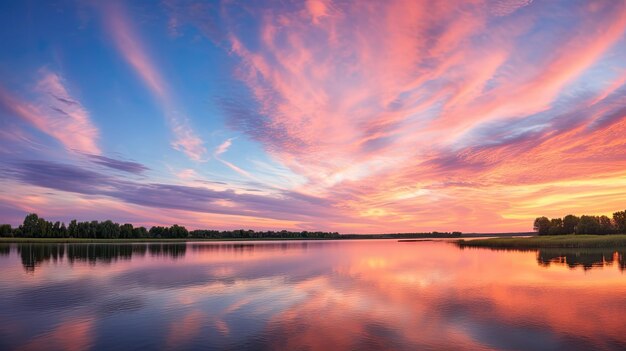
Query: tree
72	229
605	225
556	226
5	230
177	231
126	231
159	232
588	225
140	232
45	228
31	225
619	218
569	224
56	230
108	230
542	225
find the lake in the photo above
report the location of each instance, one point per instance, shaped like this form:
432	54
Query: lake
309	295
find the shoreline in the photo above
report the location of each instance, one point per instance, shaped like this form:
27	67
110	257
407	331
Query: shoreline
549	241
18	240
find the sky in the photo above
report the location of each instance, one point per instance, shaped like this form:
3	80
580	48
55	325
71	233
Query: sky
348	116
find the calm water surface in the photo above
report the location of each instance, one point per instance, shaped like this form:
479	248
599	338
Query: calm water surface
309	295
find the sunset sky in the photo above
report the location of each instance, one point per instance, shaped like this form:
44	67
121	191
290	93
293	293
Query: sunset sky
348	116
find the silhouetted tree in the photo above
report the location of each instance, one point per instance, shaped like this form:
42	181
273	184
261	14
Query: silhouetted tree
556	226
569	224
588	225
542	225
619	218
605	225
6	230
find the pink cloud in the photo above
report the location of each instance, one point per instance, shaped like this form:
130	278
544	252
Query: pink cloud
394	115
223	147
56	113
134	52
378	108
187	141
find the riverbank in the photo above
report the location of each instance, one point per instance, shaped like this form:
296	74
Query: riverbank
554	241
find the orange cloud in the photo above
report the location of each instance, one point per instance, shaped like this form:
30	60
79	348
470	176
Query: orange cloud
398	112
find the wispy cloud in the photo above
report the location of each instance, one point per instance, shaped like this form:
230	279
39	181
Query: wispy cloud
223	147
56	113
384	106
133	49
73	179
358	116
120	165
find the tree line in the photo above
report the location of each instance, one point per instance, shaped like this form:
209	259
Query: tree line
584	224
37	227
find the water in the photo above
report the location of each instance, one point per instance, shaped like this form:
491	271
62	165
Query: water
309	295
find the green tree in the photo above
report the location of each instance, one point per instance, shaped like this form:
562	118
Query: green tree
31	225
140	232
126	231
177	231
6	230
44	228
72	229
56	230
159	232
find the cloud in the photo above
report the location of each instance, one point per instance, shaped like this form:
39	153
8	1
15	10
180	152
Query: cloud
318	9
388	99
73	179
133	50
125	166
187	141
378	116
56	113
223	147
507	7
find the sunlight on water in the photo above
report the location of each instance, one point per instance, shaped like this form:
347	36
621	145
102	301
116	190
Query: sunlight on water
317	295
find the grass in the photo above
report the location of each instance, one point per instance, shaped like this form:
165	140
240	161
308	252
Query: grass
549	241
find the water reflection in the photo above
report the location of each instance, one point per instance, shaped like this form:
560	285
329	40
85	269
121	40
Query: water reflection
34	254
365	295
240	247
585	258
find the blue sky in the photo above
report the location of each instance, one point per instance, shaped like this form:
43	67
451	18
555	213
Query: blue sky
346	116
